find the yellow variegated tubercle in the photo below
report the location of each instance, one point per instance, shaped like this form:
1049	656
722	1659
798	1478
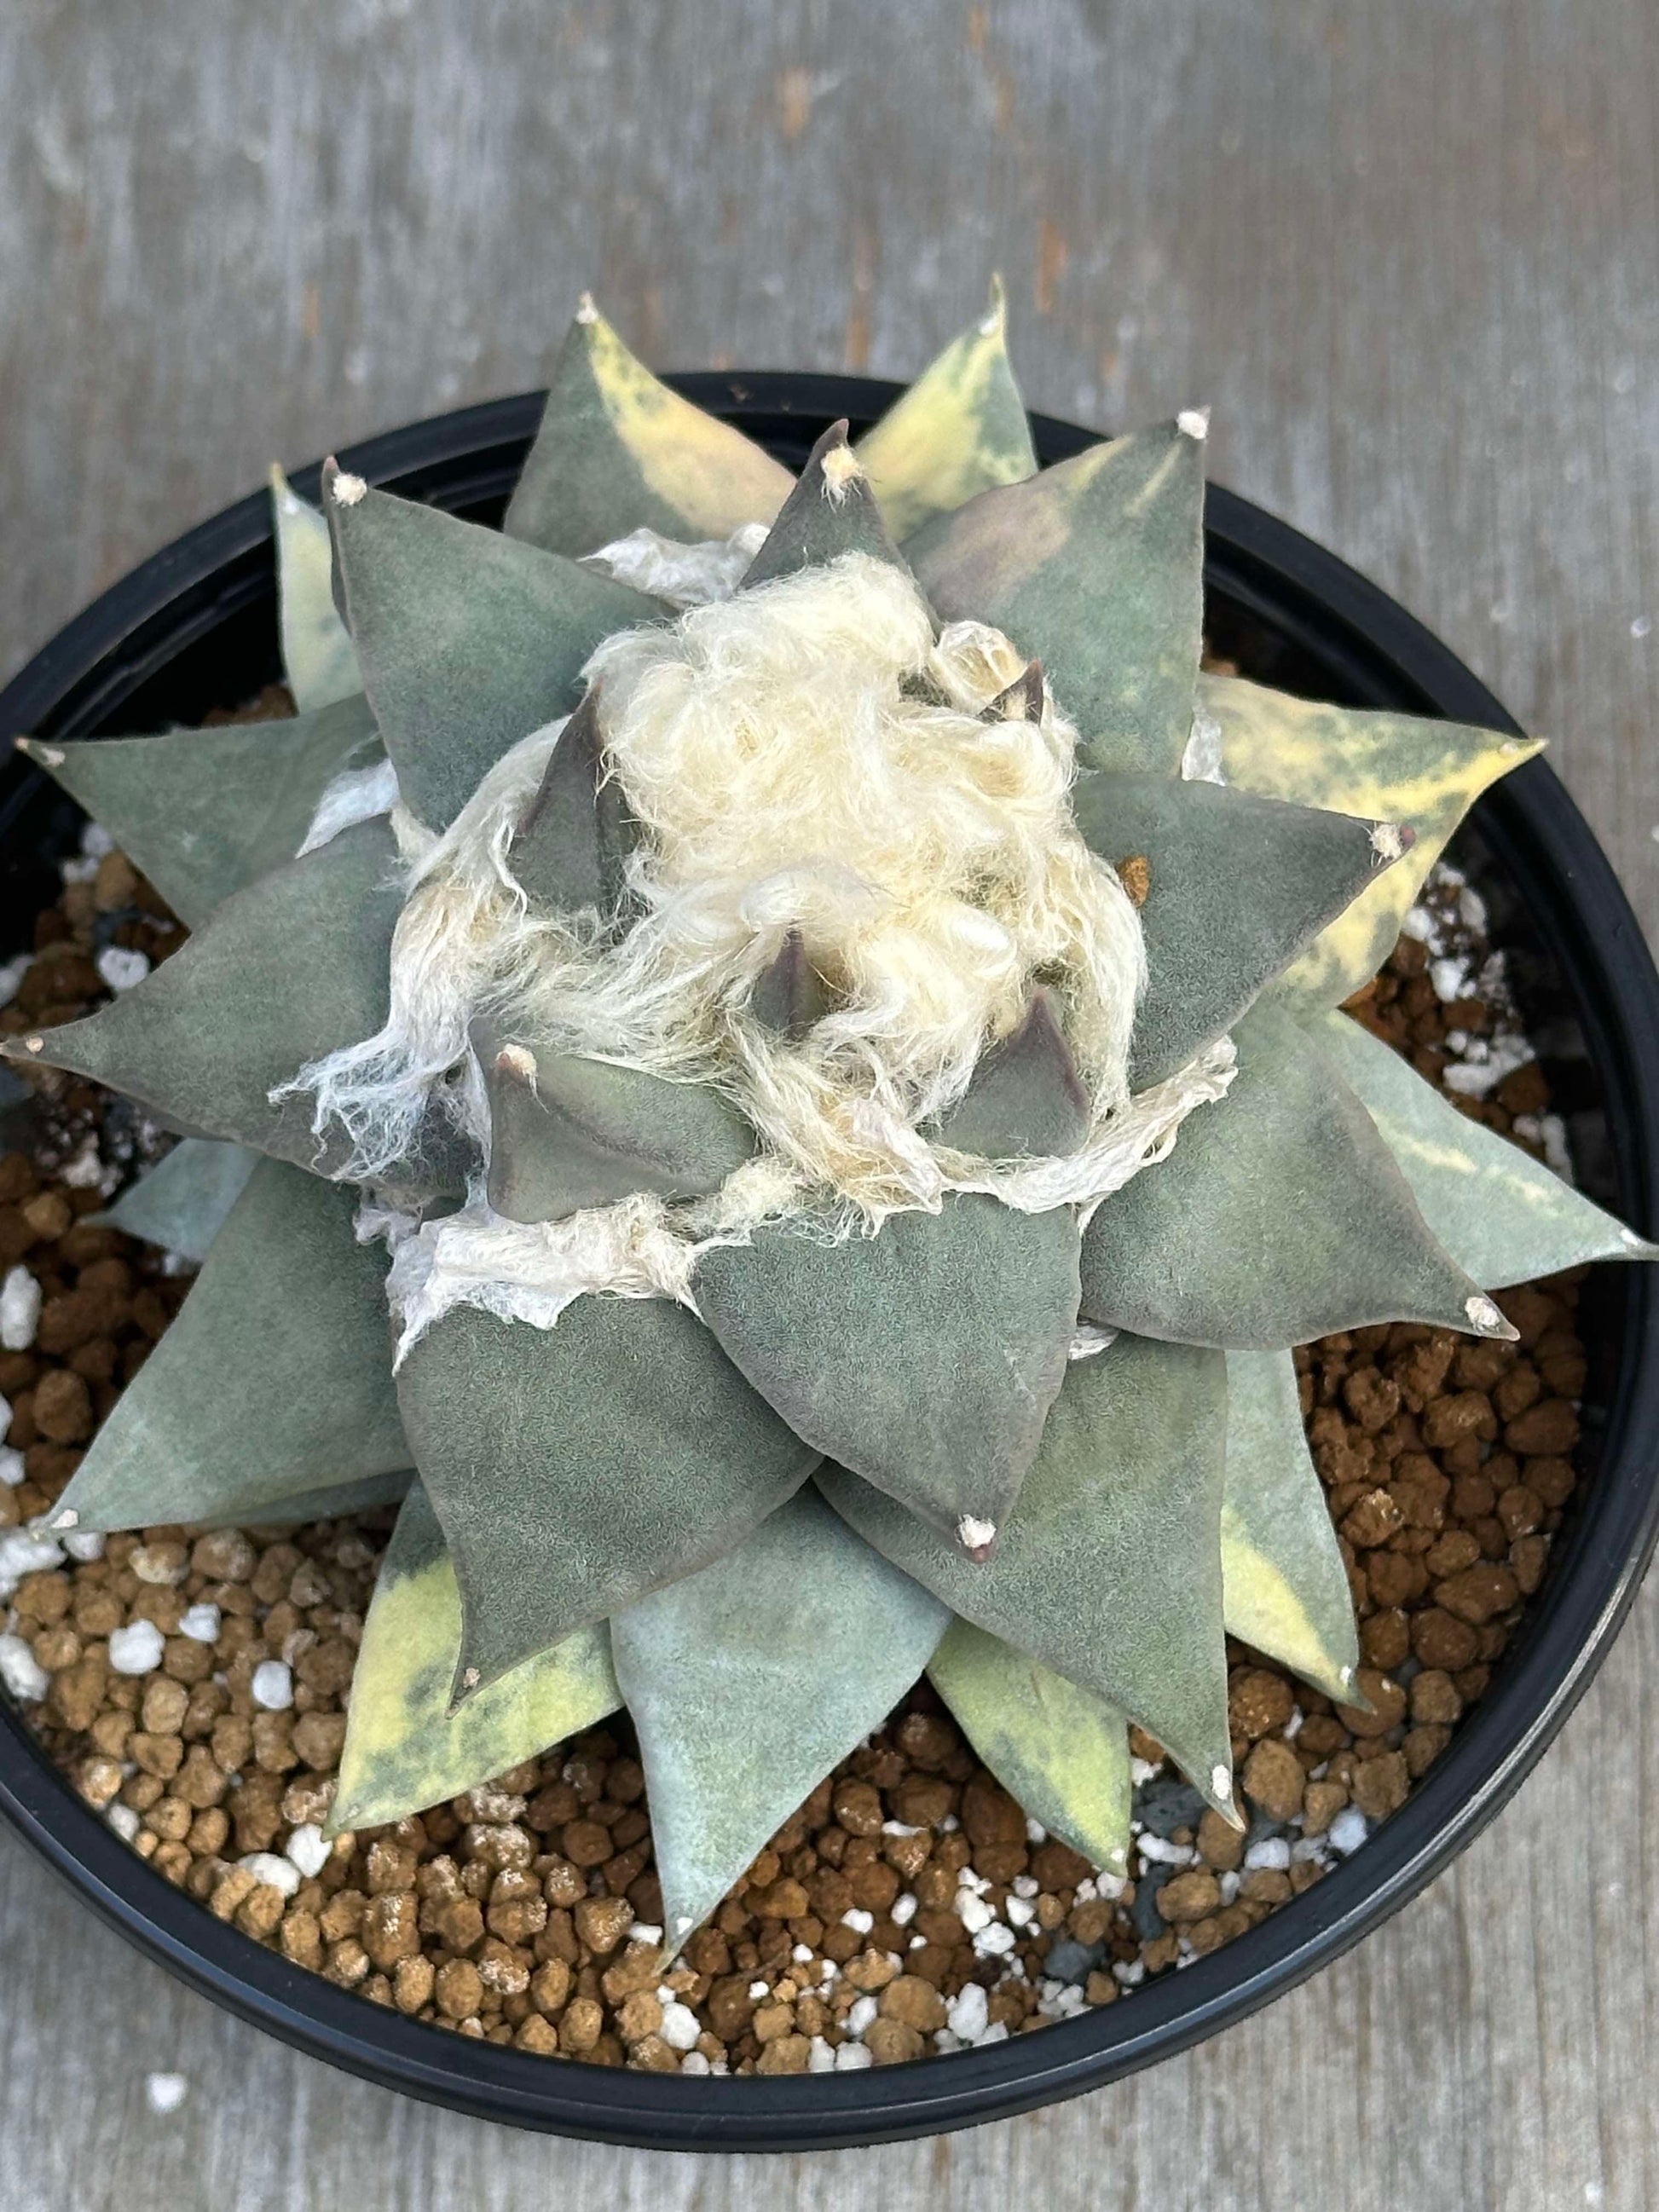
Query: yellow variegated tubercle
764	1054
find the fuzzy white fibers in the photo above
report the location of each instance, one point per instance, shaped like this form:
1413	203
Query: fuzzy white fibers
643	1247
461	919
804	756
357	794
682	575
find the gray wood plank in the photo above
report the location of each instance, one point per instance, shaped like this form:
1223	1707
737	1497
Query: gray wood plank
1410	254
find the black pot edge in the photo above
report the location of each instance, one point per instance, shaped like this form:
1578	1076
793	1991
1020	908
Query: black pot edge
1386	658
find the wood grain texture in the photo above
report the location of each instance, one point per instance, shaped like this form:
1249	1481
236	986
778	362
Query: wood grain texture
1410	255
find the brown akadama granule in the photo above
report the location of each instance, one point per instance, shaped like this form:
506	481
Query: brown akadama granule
192	1687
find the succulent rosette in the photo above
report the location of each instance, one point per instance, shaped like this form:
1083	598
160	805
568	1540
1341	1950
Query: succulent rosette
766	1054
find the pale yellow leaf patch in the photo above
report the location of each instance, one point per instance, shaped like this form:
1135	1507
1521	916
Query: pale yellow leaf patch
1403	768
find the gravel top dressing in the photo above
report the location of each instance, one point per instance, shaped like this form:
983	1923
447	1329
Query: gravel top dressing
192	1685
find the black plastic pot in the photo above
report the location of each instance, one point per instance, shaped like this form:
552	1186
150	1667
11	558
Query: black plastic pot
195	628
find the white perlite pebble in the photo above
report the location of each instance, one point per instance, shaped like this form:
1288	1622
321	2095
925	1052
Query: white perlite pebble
1272	1855
1348	1831
849	2056
967	2015
680	2027
694	2063
120	968
995	1942
21	1673
11	1466
85	1171
904	1909
201	1624
1450	976
309	1848
272	1871
26	1551
758	1992
12	975
858	1920
124	1821
820	2057
1159	1847
136	1649
85	1545
860	2014
273	1686
165	2093
19	1309
96	841
973	1912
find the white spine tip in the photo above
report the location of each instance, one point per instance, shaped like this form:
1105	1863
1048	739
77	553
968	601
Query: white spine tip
48	755
518	1060
1484	1314
1194	422
1221	1783
976	1536
470	1680
586	310
348	489
1389	841
34	1044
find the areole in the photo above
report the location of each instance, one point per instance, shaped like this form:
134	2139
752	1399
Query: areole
194	628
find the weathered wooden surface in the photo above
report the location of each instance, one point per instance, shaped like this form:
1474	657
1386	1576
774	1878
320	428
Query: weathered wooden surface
1410	254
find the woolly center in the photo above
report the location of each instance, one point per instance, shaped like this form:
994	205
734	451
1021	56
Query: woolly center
804	757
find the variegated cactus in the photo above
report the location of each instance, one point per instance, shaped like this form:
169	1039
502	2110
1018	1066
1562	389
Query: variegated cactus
820	1024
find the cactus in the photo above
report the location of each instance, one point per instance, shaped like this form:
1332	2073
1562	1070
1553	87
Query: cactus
767	1057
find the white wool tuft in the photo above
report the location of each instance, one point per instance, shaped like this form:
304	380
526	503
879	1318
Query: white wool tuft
459	931
357	794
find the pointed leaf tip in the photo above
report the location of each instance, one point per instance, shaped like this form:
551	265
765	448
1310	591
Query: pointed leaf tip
749	1682
571	849
1023	700
1125	1496
831	511
618	451
926	1357
1062	1753
319	658
960	430
1503	1216
575	1468
1026	1099
1096	565
469	640
789	995
569	1132
1279	1217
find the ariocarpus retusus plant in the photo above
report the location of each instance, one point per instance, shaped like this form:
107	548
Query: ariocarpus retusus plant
777	1043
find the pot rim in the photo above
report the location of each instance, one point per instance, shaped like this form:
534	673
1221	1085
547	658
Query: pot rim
1376	655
